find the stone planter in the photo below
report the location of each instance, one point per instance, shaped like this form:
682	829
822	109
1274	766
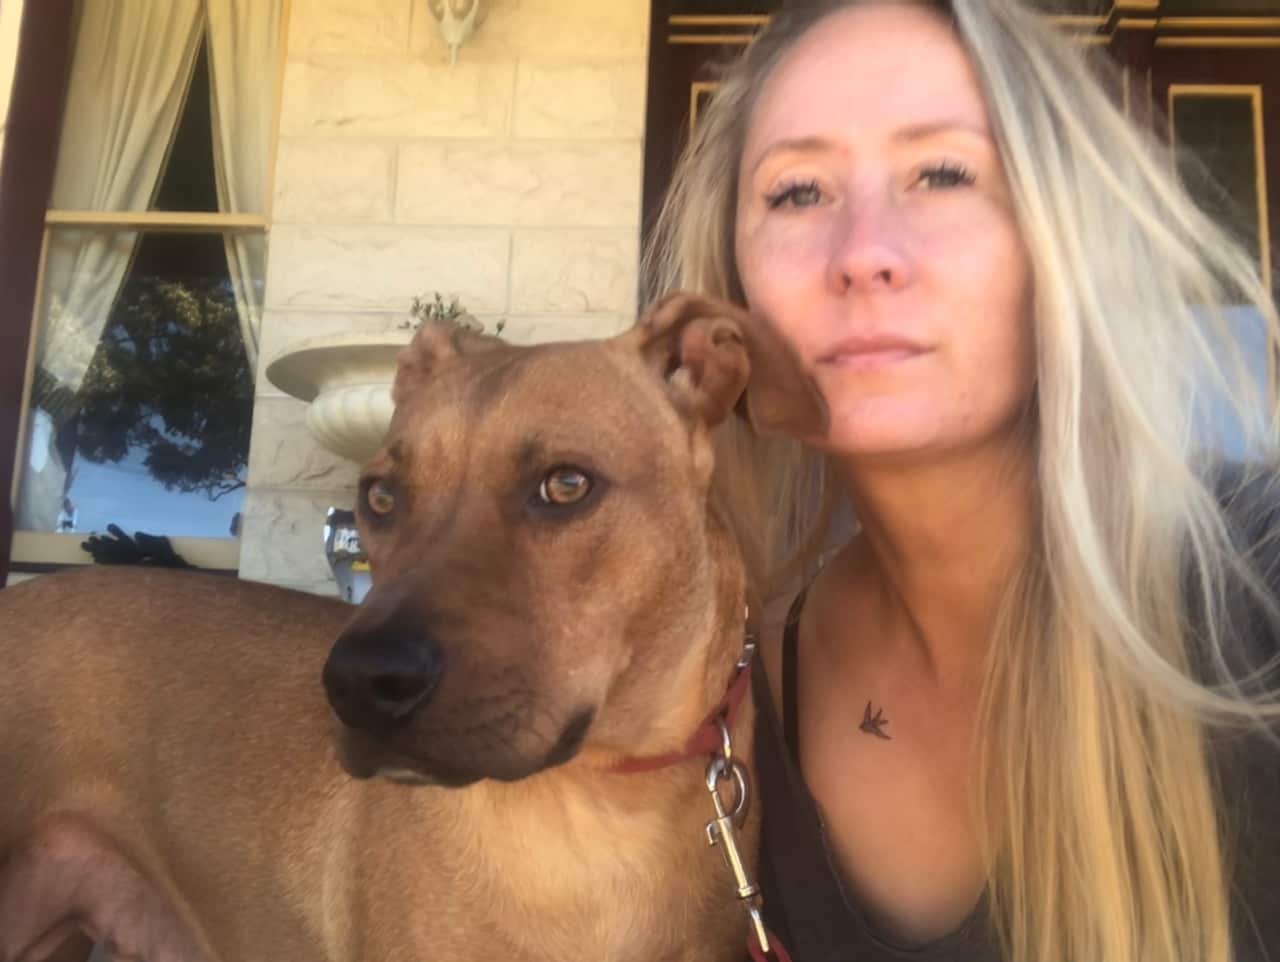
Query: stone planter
347	381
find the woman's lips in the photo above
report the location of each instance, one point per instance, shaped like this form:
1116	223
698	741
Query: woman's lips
871	353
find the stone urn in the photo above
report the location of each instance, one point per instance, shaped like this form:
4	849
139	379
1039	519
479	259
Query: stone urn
346	380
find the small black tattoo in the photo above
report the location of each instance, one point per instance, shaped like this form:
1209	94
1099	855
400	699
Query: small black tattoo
874	724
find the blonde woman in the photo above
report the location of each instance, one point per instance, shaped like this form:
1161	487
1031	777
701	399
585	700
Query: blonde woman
1024	711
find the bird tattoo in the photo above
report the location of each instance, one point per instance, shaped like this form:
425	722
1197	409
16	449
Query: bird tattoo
874	724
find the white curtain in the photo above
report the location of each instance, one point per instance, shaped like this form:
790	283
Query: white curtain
130	70
242	65
129	77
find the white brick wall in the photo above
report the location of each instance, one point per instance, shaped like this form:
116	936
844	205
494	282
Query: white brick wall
511	179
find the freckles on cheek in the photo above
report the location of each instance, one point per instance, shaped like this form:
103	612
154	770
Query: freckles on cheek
771	260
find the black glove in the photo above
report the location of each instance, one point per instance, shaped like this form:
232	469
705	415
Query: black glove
142	549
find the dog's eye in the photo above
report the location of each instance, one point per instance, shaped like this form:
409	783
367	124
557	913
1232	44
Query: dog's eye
564	486
380	499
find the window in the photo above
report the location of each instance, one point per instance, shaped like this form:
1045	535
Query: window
1218	130
1219	138
140	387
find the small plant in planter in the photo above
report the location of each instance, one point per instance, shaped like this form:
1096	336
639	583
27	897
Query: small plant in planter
437	311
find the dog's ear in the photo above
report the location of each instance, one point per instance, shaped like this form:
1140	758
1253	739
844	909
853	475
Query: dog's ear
718	357
435	343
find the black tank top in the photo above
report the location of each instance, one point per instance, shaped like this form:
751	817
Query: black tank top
809	908
805	901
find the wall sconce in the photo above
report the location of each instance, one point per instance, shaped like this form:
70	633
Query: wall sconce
458	19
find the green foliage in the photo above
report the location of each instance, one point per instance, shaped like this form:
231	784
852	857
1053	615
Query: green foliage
436	310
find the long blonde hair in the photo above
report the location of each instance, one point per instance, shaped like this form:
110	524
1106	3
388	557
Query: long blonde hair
1109	663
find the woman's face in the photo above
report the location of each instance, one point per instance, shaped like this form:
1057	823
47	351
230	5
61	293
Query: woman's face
874	228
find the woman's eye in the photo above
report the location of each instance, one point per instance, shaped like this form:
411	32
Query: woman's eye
564	486
795	195
942	176
380	499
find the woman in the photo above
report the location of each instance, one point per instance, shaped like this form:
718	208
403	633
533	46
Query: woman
1010	696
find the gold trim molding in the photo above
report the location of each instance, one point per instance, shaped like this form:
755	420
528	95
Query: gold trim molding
1120	16
1254	42
710	38
718	20
696	88
1221	23
1077	20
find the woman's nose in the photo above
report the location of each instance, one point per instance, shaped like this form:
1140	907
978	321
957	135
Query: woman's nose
867	252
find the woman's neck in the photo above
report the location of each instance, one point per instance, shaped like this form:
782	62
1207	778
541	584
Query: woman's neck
937	546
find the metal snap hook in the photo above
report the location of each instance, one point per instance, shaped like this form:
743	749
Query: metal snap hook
720	769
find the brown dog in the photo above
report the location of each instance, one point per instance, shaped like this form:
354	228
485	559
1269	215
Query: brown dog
553	596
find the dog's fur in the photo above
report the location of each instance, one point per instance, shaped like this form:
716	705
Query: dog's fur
167	757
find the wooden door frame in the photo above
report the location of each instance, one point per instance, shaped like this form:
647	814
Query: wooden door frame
26	178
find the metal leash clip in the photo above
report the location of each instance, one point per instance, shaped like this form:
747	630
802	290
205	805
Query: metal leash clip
750	641
722	831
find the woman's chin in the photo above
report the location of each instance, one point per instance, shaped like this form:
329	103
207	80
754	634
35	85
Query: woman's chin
887	436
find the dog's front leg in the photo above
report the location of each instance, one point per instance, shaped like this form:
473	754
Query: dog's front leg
66	880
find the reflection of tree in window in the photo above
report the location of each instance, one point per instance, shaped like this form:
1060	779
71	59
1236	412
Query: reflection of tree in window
170	376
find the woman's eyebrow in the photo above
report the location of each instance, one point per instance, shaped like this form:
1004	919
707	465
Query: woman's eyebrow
933	128
912	133
800	145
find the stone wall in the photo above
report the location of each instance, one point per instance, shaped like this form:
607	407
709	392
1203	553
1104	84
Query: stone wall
511	179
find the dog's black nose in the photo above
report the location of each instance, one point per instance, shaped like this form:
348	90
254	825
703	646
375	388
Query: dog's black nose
375	681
